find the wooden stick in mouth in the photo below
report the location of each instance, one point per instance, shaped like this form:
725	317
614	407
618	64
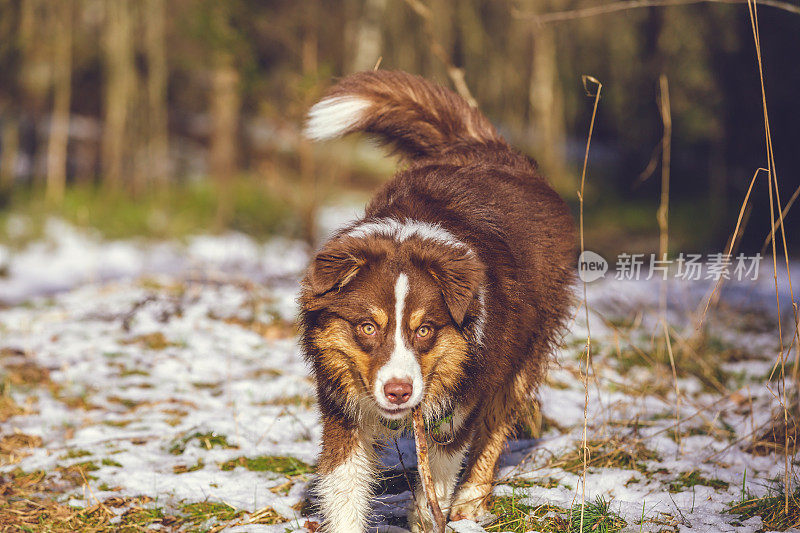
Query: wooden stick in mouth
424	467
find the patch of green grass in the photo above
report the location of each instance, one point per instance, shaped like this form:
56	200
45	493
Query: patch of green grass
172	211
548	483
295	401
518	517
116	423
206	384
110	462
207	440
202	512
208	516
98	519
288	466
771	509
22	477
701	362
597	518
183	469
142	516
693	478
132	372
75	454
87	466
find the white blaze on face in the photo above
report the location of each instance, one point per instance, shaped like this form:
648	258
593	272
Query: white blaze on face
402	364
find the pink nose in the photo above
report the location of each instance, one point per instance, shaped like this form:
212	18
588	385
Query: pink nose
397	391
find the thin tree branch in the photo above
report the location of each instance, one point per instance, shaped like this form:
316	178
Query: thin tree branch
456	74
425	475
615	7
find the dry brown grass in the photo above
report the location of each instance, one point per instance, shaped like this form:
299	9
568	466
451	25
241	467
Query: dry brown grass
278	329
15	446
31	502
774	436
615	452
9	407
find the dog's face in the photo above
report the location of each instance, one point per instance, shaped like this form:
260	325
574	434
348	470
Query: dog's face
384	319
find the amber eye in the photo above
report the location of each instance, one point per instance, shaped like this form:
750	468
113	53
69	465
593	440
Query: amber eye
423	331
368	328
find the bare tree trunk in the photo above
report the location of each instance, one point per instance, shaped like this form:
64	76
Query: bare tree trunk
225	104
368	40
442	29
10	149
546	102
35	72
62	92
158	135
137	143
309	183
120	80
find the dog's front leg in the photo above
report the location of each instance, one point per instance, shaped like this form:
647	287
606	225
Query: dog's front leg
347	471
445	466
495	423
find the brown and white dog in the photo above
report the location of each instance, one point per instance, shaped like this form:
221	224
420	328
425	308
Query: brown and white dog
448	296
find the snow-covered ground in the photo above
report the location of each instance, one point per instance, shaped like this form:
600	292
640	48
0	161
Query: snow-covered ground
172	371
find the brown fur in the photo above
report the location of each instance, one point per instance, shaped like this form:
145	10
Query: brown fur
418	118
508	275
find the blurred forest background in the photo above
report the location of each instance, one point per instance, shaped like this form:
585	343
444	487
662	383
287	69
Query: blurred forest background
161	118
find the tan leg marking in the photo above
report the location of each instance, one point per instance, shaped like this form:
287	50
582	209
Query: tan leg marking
495	423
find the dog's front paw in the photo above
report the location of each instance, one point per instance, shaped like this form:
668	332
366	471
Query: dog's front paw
420	524
420	519
471	502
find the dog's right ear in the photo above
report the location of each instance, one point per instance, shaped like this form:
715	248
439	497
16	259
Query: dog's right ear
335	265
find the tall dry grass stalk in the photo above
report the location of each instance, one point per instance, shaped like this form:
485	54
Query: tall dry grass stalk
662	215
713	297
752	8
586	81
774	228
663	209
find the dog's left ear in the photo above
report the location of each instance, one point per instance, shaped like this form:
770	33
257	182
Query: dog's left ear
335	265
458	273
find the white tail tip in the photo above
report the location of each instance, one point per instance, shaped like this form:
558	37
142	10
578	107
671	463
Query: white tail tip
335	116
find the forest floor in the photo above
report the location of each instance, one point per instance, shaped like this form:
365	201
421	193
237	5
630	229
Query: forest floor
160	386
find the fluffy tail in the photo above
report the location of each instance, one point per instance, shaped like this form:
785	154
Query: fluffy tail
418	118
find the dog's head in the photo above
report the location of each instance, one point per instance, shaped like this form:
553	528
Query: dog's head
389	311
